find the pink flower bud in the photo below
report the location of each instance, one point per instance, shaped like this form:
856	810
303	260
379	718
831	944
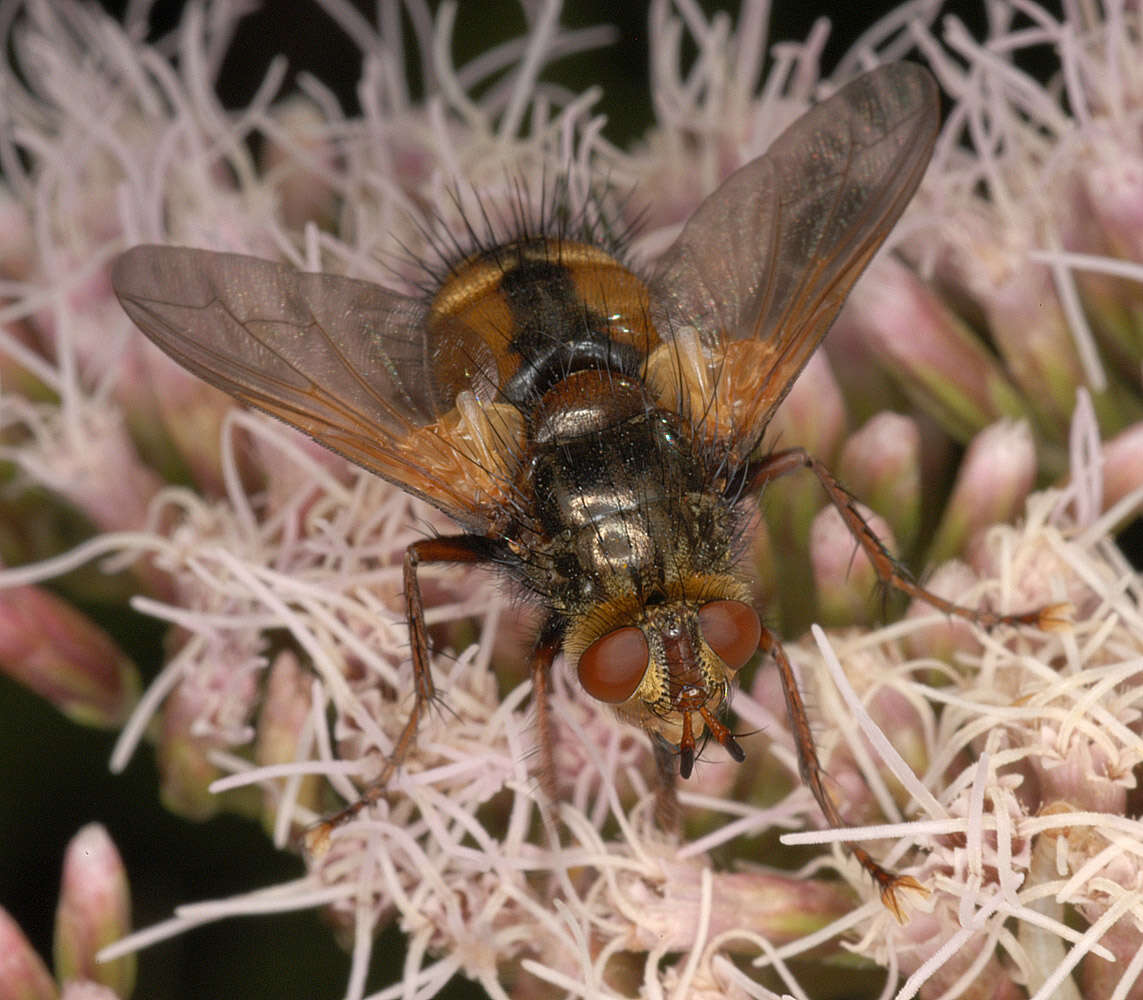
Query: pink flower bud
1122	464
813	414
285	710
64	657
845	578
881	465
995	477
94	910
941	364
23	975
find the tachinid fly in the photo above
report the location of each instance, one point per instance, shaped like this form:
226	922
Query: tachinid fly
594	430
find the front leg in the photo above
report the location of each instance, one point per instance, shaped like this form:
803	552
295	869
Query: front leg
544	655
446	549
889	884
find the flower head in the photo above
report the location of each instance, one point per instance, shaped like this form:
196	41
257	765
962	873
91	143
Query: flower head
999	765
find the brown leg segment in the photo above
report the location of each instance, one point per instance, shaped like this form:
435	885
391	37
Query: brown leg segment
543	656
781	463
813	775
447	549
667	814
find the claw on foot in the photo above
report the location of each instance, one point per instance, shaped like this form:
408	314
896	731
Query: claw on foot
890	900
1055	617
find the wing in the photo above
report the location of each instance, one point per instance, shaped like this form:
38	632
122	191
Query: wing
760	270
345	361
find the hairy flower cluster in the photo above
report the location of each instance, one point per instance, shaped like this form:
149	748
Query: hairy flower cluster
998	770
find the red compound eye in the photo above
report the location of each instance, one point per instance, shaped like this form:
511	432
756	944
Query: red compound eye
611	668
731	629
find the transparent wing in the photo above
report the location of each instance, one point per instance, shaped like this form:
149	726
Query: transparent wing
761	269
345	361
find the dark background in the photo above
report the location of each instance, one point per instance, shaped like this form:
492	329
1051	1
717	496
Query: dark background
55	776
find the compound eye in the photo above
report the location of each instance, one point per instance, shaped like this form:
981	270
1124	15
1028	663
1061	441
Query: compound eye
611	668
731	629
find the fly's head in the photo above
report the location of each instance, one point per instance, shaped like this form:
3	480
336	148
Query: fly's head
668	666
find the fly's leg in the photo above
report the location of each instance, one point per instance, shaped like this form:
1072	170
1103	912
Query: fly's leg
781	463
667	813
813	776
447	549
543	656
548	644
